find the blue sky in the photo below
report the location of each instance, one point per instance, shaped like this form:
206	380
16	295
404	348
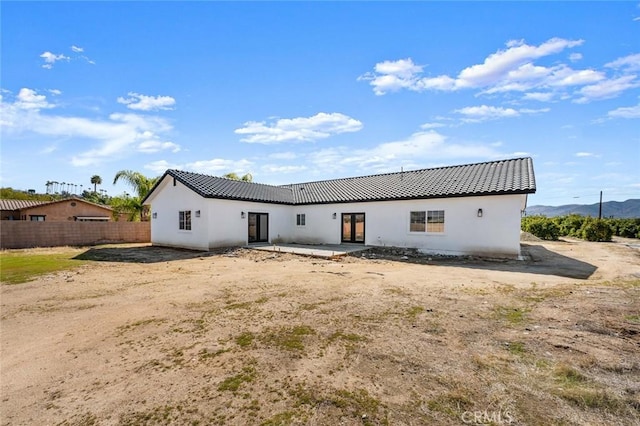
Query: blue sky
297	91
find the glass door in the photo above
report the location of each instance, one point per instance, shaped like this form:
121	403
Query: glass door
353	227
258	227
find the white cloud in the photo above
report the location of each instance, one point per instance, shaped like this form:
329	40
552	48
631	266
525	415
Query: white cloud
497	66
485	112
427	126
505	70
108	139
275	169
513	69
151	146
628	63
607	89
393	75
216	166
52	58
140	102
29	99
586	154
539	96
574	57
219	165
160	166
55	92
625	112
319	126
283	155
416	150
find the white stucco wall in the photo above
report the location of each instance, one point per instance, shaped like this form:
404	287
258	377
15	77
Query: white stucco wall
166	201
228	228
497	232
221	223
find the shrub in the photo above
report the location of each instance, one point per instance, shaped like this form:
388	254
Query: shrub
542	227
596	230
571	225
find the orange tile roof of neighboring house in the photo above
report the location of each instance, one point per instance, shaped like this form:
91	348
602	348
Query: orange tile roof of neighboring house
24	204
20	204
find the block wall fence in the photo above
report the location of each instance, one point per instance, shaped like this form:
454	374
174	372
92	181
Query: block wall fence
27	234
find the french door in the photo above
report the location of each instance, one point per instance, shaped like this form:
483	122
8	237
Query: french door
258	227
353	228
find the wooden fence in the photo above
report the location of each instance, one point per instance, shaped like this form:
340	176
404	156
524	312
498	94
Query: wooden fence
26	234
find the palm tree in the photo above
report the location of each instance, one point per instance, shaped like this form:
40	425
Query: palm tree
141	186
96	180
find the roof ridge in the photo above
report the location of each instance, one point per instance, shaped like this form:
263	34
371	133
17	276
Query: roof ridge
453	166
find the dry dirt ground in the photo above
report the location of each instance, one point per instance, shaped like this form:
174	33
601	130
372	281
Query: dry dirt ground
144	335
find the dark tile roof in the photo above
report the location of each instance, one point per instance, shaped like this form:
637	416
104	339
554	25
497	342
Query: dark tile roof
217	187
514	176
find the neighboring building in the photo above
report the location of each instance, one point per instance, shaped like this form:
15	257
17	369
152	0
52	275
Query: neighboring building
10	209
69	209
466	209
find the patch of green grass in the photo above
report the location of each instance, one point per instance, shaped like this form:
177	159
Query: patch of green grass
633	318
578	389
397	291
452	403
413	312
288	338
591	398
206	354
240	305
567	375
280	419
516	348
18	267
357	403
233	383
513	316
349	337
245	339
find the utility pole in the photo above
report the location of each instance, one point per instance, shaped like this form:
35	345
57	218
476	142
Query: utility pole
600	208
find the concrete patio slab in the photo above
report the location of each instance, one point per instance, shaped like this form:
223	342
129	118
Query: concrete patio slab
313	250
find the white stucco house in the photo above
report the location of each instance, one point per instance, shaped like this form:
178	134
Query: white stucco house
465	209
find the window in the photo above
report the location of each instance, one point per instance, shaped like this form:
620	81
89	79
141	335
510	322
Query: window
301	219
36	218
435	221
429	221
184	220
417	222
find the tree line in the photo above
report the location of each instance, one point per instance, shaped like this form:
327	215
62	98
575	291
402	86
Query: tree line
578	226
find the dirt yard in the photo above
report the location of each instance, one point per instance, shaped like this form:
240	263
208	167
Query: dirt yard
143	335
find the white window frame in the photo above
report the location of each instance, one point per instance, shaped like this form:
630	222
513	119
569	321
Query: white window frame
301	219
184	220
417	223
436	221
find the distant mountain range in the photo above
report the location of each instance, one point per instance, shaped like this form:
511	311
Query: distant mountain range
623	209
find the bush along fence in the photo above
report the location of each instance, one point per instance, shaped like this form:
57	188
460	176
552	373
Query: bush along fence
585	227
